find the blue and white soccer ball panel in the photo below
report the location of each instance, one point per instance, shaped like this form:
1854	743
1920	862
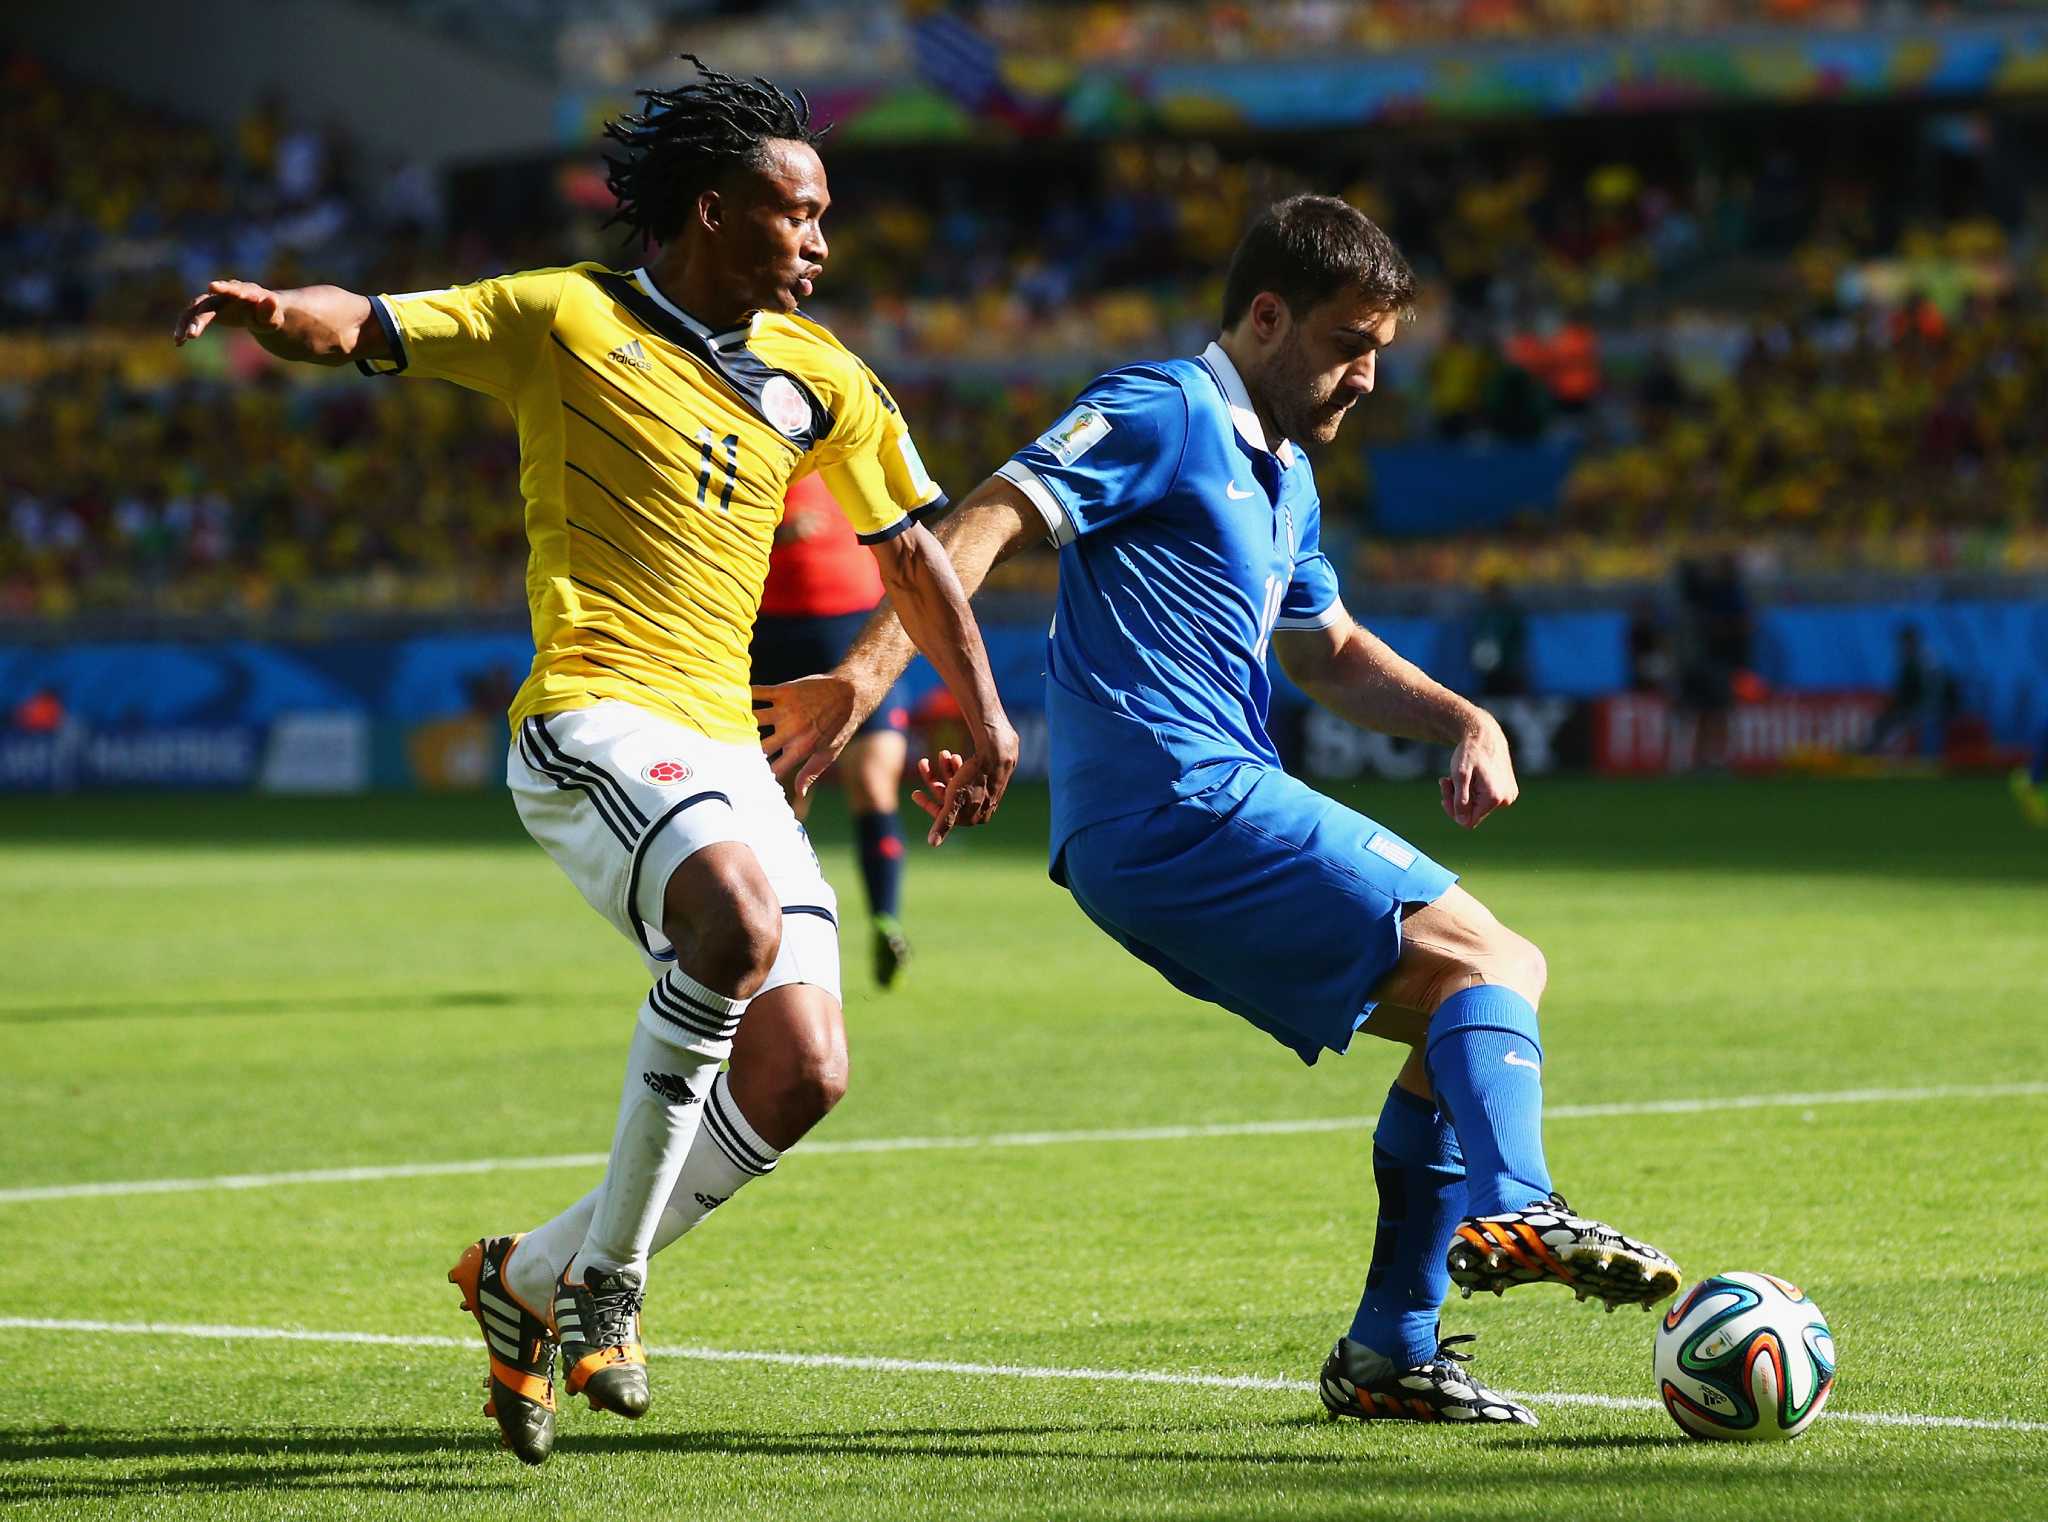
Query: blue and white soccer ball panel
1745	1357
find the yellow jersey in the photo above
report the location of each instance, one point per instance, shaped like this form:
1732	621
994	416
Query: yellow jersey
654	458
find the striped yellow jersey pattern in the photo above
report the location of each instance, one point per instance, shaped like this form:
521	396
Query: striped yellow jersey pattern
654	457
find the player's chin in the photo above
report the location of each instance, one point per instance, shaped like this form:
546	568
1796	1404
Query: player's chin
1325	427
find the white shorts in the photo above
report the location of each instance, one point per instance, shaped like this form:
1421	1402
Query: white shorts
621	797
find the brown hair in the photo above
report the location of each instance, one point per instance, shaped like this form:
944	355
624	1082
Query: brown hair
1306	249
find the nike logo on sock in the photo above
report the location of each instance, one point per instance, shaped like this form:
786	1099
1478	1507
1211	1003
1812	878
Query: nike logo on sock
1517	1060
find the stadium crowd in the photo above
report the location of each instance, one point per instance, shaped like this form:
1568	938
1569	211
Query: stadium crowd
1875	396
603	43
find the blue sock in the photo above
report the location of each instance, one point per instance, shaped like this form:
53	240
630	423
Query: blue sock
1486	1066
1421	1179
881	859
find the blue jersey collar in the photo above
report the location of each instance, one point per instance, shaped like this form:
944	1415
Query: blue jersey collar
1242	413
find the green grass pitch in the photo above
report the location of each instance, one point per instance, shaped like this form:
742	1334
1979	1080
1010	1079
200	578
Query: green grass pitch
202	987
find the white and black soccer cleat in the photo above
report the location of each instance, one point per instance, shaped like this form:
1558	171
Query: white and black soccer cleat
1364	1385
1546	1243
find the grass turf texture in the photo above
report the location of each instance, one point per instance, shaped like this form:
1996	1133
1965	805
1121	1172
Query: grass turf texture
205	986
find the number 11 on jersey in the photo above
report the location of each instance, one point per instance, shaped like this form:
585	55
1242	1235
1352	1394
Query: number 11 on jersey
707	442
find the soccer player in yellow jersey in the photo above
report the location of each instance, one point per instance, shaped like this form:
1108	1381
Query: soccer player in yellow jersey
663	413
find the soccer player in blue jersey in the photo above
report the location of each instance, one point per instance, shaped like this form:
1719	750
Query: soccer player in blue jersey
1188	528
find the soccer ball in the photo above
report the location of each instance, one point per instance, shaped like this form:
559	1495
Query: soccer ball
1745	1358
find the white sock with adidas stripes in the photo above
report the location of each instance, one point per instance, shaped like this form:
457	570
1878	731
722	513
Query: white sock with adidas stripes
660	1109
713	1171
726	1154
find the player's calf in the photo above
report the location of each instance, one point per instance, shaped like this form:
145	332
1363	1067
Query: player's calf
789	1065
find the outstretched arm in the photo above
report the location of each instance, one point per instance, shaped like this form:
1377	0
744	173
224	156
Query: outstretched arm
809	720
1354	674
318	324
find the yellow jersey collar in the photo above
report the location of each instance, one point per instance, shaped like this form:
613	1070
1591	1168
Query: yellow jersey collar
645	281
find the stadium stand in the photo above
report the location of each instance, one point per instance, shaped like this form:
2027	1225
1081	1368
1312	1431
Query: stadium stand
1628	350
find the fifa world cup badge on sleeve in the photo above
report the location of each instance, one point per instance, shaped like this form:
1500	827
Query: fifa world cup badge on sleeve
1074	435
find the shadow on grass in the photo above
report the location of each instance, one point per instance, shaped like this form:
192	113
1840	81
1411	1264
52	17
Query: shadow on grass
409	1461
223	1463
1928	830
1619	1441
318	1459
280	1004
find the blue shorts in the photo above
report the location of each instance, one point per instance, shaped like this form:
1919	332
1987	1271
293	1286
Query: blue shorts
786	648
1260	895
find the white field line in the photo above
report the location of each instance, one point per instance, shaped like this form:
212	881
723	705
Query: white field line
372	1173
205	1332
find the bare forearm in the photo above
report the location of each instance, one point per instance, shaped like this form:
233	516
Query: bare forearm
1367	683
323	325
931	609
986	530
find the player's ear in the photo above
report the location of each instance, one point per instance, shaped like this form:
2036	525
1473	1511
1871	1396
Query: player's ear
710	211
1269	317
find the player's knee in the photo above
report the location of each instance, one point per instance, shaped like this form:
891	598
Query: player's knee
727	938
800	1079
817	1082
744	947
1515	962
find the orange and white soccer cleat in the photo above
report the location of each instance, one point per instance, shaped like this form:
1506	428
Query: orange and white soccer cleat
521	1345
1546	1243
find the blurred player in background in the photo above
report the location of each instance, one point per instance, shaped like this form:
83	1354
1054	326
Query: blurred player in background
1189	530
822	585
663	413
2030	782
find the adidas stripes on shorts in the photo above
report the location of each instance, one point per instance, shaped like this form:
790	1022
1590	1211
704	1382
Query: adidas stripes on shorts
621	797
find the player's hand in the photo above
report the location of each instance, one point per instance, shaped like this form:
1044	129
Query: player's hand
966	789
946	790
236	303
1482	777
804	725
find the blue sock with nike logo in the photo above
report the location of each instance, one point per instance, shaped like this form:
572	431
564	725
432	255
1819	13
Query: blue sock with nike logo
1486	1066
1421	1179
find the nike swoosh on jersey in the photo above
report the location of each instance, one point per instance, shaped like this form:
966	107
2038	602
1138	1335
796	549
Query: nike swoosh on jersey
1234	494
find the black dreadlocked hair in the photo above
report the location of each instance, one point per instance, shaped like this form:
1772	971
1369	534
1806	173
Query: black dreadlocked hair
684	141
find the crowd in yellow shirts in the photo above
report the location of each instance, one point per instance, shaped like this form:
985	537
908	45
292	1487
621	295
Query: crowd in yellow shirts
600	50
1879	403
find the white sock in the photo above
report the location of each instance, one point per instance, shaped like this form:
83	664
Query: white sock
726	1154
659	1111
712	1172
536	1264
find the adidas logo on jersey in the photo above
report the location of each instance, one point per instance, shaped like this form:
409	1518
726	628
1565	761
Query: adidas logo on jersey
630	353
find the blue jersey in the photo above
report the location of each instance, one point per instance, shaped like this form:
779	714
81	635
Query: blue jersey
1185	541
